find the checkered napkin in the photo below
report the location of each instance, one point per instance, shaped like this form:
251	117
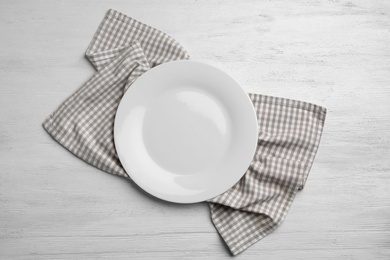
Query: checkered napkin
121	50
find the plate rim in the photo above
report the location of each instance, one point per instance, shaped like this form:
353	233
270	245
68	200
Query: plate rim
121	156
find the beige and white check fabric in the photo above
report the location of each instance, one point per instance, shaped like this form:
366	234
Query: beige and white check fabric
121	50
289	136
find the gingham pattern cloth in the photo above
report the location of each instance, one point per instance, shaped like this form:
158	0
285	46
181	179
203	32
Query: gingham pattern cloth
290	131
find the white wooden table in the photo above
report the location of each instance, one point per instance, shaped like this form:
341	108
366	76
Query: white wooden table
332	53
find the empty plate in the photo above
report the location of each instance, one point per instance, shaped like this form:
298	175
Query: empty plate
185	131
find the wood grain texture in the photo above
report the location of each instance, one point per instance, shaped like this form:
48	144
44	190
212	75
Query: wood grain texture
332	53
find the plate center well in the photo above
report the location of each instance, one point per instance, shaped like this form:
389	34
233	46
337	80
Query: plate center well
186	130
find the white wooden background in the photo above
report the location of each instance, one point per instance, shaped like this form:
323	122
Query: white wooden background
332	53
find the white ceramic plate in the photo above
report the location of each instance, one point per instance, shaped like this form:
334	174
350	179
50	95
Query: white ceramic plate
185	131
